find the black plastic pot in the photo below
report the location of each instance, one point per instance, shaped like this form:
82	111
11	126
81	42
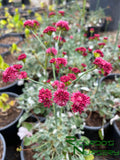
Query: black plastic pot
4	146
10	35
92	132
10	131
112	11
110	76
14	87
27	2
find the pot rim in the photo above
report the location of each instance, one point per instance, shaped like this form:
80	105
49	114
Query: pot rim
96	128
17	118
9	86
4	146
111	74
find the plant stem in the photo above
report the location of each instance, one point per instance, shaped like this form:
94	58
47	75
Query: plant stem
54	76
38	61
117	37
82	75
39	40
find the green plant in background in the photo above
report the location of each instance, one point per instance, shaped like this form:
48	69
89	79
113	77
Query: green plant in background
3	65
5	102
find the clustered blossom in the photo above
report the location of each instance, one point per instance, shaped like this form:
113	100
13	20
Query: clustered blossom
92	30
52	51
62	25
61	12
59	62
81	50
22	56
32	24
80	101
83	65
57	84
89	50
49	30
102	44
13	73
45	97
98	53
71	37
66	80
75	70
64	53
60	39
105	66
51	14
72	76
96	36
61	97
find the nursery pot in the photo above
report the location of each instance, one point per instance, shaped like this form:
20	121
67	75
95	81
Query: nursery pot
110	76
5	53
4	146
10	131
92	132
14	87
112	11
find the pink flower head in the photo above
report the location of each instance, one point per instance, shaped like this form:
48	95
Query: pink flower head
85	34
102	44
51	51
64	79
60	62
51	14
54	23
91	38
49	30
64	53
48	81
92	30
105	66
61	13
118	46
71	37
17	66
89	50
81	50
72	76
119	57
83	65
31	24
23	132
61	97
22	56
98	53
96	36
57	84
60	39
75	70
80	101
10	74
22	75
105	38
45	96
84	54
53	60
62	25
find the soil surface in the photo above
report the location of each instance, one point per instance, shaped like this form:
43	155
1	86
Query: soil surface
9	40
1	149
94	119
3	49
10	115
10	59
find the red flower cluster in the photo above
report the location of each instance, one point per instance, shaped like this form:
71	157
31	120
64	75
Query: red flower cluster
105	66
59	62
80	101
65	79
64	53
83	65
57	84
62	25
75	70
52	51
98	53
61	97
60	39
72	76
49	30
92	30
102	44
22	56
13	73
45	97
61	12
31	24
81	50
51	14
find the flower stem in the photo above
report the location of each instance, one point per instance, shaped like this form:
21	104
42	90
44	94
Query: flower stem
54	76
38	61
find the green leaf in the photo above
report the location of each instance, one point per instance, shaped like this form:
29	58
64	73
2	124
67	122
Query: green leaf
27	125
101	133
4	97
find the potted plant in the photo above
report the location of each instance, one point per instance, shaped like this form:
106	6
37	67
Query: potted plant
2	147
8	106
